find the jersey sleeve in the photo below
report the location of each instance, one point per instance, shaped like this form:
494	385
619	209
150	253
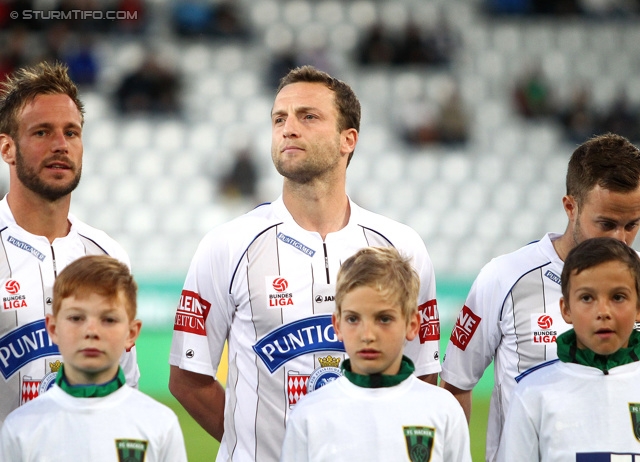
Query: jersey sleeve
520	439
476	333
424	349
205	312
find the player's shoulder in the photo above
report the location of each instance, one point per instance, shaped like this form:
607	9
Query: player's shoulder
517	263
398	234
100	239
245	226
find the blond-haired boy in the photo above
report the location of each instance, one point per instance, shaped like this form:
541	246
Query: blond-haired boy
378	410
585	406
91	414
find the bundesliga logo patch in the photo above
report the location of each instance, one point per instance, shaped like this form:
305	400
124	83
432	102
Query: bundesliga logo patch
542	329
13	298
279	295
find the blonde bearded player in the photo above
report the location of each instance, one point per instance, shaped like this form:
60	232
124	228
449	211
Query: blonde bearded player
41	119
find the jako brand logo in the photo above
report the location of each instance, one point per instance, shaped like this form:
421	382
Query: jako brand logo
545	321
280	284
12	286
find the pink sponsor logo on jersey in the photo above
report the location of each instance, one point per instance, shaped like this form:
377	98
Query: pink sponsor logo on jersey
429	321
465	327
192	313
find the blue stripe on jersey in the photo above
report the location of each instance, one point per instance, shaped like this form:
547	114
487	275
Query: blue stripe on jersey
535	368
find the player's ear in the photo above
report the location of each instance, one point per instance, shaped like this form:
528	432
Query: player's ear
7	148
50	325
565	311
336	325
134	332
413	326
570	207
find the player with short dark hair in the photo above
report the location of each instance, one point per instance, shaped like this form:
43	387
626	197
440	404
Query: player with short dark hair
512	313
265	282
586	405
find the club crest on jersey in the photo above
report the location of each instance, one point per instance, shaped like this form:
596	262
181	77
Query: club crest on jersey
131	450
23	345
634	410
192	313
465	327
419	443
299	384
429	321
542	329
26	247
12	299
298	245
277	294
32	388
308	335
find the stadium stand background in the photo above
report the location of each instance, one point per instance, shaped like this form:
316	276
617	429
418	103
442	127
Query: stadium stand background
151	181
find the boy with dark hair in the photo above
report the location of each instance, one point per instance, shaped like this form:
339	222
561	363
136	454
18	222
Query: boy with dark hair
90	413
585	406
395	415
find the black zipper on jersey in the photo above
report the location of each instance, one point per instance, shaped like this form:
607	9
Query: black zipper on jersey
326	262
53	256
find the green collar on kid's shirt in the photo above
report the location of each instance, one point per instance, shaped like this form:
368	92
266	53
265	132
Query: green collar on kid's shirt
569	352
379	380
93	390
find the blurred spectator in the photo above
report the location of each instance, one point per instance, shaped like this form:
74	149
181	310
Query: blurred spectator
82	61
152	88
377	47
135	20
193	18
579	119
242	179
413	48
13	51
532	94
621	118
454	120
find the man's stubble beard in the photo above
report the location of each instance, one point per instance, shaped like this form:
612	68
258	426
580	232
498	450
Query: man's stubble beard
30	179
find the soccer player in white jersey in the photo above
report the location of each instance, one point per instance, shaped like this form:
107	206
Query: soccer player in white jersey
41	119
512	313
265	282
585	407
91	414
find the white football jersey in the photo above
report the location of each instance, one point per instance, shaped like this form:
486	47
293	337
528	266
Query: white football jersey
566	412
412	421
267	286
512	315
126	425
29	265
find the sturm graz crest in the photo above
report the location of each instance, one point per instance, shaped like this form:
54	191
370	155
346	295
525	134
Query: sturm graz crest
634	410
131	450
419	442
